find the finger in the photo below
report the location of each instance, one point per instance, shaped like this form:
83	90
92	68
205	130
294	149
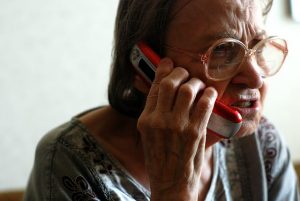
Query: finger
203	108
186	96
168	88
164	68
199	157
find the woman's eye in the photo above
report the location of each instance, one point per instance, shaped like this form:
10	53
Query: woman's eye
220	50
224	51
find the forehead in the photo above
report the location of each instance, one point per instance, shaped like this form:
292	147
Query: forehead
180	5
212	18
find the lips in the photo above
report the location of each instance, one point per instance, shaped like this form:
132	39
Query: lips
247	108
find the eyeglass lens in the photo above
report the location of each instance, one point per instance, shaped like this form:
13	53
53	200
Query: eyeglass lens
226	57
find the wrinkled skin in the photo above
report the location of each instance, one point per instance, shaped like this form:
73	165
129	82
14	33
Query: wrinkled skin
173	123
196	32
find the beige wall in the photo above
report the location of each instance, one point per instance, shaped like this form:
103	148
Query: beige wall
54	61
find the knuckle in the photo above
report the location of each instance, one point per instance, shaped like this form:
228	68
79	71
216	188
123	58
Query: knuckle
178	127
158	121
180	124
157	124
194	133
182	71
144	121
167	84
206	103
187	90
142	124
173	125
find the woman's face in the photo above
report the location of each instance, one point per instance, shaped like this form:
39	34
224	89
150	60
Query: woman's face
198	24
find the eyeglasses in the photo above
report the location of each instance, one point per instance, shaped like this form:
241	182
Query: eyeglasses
223	59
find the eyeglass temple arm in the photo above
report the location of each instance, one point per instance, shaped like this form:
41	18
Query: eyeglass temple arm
203	57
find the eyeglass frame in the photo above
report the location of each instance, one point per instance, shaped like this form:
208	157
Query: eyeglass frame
204	58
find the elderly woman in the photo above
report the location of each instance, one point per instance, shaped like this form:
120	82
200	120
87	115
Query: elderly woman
153	142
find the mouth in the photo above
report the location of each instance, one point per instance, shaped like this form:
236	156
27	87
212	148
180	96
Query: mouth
244	101
247	108
244	104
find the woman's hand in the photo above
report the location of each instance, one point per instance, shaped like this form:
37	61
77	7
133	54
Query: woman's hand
173	131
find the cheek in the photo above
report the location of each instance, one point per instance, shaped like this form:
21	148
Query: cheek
192	65
221	88
263	92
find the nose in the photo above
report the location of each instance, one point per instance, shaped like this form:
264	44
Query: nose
249	74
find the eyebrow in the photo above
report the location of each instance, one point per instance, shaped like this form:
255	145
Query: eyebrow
228	34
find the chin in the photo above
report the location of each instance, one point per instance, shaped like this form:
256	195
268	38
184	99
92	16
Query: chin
248	127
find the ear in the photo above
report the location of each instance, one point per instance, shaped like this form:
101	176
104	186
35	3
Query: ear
140	84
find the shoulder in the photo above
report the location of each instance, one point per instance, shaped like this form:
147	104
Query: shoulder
62	166
62	140
50	140
69	147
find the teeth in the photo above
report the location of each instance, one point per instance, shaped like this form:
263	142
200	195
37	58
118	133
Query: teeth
243	104
248	97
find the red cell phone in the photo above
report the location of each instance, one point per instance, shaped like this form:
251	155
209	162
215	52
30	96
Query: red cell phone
224	121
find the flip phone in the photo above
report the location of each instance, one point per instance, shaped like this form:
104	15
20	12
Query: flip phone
224	121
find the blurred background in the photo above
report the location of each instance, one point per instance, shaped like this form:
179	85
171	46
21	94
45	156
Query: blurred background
54	63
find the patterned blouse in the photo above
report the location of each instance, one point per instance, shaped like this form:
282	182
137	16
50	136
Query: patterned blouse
71	165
